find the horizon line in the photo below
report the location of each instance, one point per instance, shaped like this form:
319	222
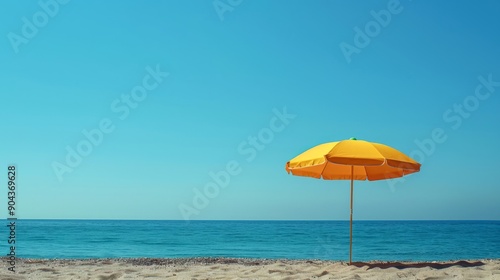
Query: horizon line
257	220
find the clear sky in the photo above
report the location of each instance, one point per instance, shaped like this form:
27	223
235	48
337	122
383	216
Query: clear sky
123	109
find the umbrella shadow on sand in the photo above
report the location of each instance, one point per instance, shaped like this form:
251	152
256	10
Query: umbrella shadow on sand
400	265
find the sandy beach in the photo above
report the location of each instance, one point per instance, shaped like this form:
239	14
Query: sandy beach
227	268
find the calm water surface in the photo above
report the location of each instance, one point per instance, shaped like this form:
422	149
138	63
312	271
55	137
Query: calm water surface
373	240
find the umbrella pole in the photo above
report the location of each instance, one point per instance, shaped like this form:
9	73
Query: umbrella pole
350	233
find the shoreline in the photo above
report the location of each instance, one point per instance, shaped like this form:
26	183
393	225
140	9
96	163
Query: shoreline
232	260
241	260
246	268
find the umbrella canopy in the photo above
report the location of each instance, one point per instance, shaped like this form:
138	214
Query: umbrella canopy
352	160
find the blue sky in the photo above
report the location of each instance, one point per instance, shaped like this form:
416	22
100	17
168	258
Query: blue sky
233	68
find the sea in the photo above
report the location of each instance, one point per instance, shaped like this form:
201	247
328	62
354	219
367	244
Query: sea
325	240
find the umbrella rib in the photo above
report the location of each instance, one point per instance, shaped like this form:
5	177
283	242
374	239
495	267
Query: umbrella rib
324	167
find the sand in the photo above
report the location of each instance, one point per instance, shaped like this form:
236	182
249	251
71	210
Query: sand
226	268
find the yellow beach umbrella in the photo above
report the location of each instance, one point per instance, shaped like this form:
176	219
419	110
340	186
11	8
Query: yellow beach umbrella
352	160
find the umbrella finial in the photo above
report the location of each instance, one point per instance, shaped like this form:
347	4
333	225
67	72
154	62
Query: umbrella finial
353	138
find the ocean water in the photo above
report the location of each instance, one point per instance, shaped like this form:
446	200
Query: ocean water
328	240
